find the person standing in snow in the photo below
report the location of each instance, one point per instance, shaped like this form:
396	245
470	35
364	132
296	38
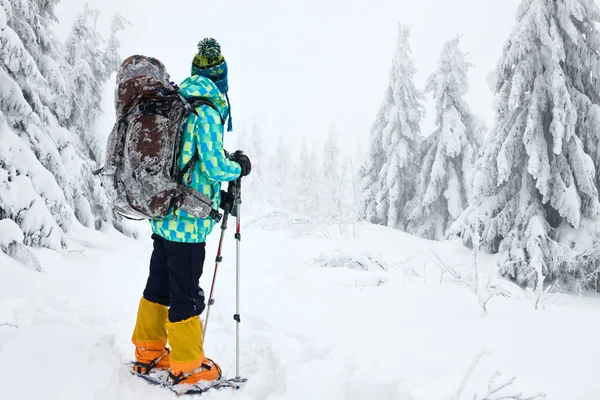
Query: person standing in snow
173	300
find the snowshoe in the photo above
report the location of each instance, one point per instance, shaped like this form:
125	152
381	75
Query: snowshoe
160	378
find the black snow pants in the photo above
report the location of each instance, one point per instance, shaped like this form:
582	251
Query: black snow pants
175	271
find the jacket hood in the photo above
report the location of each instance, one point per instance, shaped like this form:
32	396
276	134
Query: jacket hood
197	86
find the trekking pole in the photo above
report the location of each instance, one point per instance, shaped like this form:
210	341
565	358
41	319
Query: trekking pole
238	238
218	260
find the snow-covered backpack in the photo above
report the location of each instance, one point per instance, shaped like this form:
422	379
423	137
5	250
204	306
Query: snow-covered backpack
143	147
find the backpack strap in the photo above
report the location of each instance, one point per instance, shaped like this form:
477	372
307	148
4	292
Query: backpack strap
190	164
195	103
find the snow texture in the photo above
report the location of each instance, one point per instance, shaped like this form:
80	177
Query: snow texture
306	332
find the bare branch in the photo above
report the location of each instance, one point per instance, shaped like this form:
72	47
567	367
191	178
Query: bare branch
496	386
467	376
444	268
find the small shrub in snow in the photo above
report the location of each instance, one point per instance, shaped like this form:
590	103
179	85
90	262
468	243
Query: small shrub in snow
11	243
410	272
351	260
10	233
273	219
498	388
484	289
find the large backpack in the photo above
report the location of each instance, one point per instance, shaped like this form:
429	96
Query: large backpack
143	147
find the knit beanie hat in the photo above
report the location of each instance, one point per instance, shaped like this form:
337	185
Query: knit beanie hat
210	63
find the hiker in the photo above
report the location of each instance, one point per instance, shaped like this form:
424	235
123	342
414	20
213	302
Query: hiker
172	300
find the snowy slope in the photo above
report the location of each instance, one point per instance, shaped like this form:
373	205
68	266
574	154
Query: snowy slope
307	331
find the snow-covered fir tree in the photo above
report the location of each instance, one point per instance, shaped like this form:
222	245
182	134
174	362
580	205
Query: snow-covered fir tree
112	59
304	168
331	160
280	181
397	131
449	153
31	22
251	142
329	180
356	210
281	162
45	175
86	67
315	189
39	206
536	185
369	171
304	178
590	136
256	150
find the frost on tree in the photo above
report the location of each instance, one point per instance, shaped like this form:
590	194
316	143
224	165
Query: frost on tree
323	191
536	185
45	177
388	177
305	179
112	58
86	71
252	143
369	171
449	153
305	172
31	21
329	183
281	169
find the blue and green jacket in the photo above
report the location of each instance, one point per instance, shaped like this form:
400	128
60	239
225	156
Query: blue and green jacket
203	133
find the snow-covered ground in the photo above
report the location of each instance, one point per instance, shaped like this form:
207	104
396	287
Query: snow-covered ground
307	332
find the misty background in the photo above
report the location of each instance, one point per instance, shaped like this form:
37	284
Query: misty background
303	67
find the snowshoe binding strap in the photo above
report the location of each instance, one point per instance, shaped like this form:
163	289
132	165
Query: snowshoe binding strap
145	368
177	379
213	365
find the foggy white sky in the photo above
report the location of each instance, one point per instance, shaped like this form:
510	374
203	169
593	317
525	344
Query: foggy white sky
300	66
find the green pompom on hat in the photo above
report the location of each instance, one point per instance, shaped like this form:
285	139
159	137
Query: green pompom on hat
209	54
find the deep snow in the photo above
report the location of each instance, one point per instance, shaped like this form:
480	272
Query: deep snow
307	331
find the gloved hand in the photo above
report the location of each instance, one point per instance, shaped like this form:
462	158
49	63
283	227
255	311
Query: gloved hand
227	203
242	159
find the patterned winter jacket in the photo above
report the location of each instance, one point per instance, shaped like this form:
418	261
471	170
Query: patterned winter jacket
203	133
